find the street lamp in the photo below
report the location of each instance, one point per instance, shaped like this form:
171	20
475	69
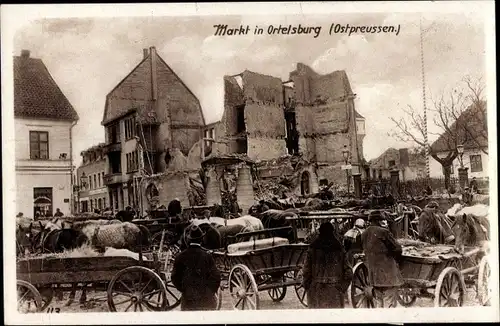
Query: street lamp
460	150
346	153
83	182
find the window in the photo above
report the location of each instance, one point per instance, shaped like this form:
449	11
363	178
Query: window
114	133
39	145
476	165
132	161
42	202
90	182
115	162
392	163
129	128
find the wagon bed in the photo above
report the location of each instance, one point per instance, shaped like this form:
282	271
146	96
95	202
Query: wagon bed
55	270
137	282
271	269
438	268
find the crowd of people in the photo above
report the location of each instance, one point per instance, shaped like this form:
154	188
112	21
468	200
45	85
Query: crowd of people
327	271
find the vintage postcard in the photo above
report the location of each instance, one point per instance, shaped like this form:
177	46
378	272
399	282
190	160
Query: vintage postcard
243	163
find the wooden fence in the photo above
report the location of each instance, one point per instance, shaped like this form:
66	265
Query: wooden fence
416	187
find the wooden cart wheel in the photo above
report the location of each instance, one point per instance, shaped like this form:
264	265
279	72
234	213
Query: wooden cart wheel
299	289
29	299
450	289
136	288
277	294
168	239
406	299
173	295
361	290
218	297
483	279
243	288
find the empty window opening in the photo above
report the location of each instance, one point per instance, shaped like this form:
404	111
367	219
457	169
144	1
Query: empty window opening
292	138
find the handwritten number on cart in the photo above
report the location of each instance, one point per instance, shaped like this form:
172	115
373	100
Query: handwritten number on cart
53	310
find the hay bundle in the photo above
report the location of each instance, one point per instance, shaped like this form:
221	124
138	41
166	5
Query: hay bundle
84	251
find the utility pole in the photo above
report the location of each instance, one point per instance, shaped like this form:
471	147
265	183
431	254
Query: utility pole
426	139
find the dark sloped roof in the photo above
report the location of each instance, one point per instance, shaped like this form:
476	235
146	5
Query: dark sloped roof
358	116
36	94
470	130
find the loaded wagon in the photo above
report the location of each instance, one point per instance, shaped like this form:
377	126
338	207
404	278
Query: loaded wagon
270	264
131	284
437	272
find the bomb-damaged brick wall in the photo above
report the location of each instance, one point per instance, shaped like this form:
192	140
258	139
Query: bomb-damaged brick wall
226	129
179	106
264	116
262	97
322	114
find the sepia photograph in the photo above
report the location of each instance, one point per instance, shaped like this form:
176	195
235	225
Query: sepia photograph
226	158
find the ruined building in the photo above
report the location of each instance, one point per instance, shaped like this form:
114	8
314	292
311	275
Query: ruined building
153	125
310	116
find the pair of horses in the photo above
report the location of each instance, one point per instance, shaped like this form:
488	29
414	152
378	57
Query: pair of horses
51	236
59	235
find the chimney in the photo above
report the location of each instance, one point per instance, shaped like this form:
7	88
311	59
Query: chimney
25	53
154	83
145	53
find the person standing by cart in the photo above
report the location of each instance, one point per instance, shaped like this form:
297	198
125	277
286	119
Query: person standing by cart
382	253
326	274
195	275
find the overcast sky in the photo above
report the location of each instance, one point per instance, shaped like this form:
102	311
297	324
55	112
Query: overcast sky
88	57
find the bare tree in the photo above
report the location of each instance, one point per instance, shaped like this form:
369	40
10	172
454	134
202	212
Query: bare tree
460	115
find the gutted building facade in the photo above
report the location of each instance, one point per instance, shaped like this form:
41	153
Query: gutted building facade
154	124
310	115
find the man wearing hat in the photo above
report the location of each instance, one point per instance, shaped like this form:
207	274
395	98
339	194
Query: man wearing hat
382	253
195	274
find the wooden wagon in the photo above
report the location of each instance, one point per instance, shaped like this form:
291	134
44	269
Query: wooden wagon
267	266
130	284
441	277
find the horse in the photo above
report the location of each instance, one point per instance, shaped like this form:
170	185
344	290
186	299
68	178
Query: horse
274	218
470	230
252	223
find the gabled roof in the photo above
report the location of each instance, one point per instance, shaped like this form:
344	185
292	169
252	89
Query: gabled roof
470	130
145	109
358	116
36	94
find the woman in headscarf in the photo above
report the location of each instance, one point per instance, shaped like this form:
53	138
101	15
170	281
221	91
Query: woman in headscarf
326	272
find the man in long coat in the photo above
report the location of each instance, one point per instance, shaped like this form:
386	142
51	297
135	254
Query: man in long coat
195	275
382	253
326	273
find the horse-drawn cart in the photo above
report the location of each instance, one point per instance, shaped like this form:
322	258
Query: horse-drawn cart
435	272
270	264
130	284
